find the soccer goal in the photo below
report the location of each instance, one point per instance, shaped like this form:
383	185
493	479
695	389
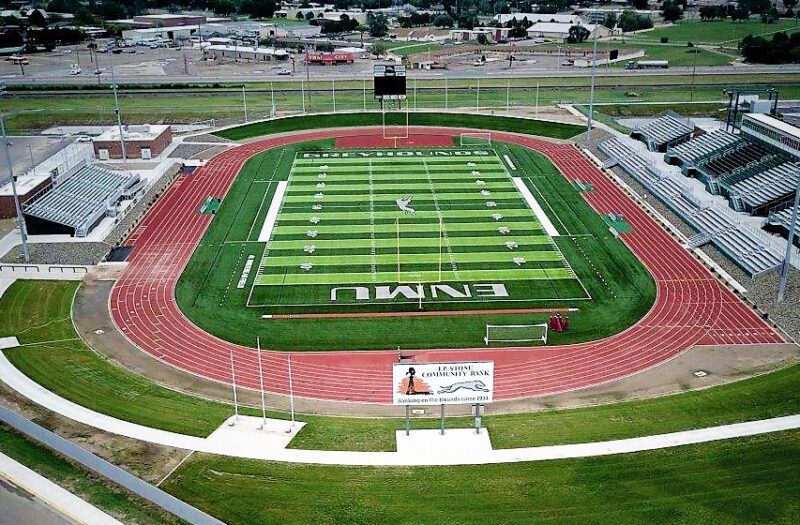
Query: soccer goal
476	139
516	333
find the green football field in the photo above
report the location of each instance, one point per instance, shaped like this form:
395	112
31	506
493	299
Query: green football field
443	224
237	283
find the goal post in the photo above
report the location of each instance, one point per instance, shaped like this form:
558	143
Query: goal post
475	139
516	333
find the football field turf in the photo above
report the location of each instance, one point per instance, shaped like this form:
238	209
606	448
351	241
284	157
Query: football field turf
251	273
446	224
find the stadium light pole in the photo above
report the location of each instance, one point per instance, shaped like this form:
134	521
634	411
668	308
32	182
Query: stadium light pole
478	96
116	110
591	92
23	231
272	97
333	92
446	101
787	261
303	95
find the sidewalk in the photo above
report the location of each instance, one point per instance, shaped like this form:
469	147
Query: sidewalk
268	447
64	502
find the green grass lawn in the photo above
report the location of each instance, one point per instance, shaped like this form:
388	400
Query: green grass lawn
529	126
26	112
39	311
743	481
87	485
204	296
718	31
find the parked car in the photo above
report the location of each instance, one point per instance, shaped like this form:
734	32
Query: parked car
75	69
284	71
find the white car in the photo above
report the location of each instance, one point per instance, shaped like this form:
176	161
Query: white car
75	69
284	71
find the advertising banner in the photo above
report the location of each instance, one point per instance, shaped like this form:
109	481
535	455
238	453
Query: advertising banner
443	383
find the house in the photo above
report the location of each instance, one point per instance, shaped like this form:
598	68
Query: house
492	34
535	18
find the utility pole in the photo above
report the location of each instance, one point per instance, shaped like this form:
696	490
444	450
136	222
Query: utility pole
787	261
261	382
23	232
273	112
694	70
591	92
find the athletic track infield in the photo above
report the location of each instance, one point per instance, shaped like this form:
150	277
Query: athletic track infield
692	307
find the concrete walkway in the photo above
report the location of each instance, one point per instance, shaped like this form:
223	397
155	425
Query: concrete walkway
63	501
268	446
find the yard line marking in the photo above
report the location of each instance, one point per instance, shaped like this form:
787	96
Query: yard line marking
443	231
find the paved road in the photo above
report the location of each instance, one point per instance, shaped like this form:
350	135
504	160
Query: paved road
19	508
141	77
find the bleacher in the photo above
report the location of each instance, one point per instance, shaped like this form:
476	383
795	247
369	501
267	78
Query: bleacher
77	203
665	131
780	218
759	192
687	153
749	154
746	247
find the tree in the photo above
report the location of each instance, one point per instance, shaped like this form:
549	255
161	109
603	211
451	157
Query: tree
443	20
224	7
482	40
378	49
36	18
258	8
639	4
671	12
110	10
378	25
755	6
610	20
577	34
300	16
309	15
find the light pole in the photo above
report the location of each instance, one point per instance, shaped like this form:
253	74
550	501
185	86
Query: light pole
116	110
591	91
244	102
787	261
23	232
694	70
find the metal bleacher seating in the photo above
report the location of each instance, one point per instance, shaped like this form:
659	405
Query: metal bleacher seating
667	130
687	153
745	246
782	216
765	189
749	154
79	201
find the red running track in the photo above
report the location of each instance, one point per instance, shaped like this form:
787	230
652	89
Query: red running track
691	307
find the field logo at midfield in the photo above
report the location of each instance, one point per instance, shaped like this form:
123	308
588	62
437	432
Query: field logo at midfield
433	291
403	204
367	154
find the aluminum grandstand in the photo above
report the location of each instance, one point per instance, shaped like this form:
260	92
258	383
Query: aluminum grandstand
76	204
667	130
748	248
756	170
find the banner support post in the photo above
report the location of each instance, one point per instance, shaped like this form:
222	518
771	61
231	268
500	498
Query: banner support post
477	417
408	419
442	419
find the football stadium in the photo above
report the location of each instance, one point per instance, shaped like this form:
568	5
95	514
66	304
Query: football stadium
398	316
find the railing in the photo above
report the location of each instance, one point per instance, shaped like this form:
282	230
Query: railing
13	268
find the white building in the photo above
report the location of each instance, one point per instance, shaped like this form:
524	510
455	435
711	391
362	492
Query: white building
559	31
159	33
539	17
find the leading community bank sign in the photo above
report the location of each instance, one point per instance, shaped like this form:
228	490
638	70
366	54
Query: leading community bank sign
443	383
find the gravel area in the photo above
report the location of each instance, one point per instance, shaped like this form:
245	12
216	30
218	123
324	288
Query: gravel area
67	253
207	138
762	291
187	151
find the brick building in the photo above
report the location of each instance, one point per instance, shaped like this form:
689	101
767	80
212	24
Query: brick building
141	142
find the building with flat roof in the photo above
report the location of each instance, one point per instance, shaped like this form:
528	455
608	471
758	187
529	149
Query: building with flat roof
772	131
141	142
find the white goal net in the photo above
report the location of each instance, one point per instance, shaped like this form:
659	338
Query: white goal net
476	139
516	333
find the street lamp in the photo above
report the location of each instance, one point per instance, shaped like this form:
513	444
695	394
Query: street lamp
23	232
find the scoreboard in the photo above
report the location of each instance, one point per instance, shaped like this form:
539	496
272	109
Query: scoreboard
390	81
